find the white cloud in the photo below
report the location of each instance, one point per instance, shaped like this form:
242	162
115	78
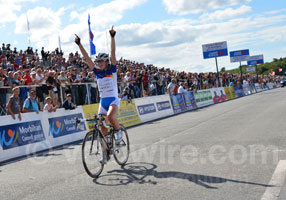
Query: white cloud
9	8
184	7
225	14
178	45
44	25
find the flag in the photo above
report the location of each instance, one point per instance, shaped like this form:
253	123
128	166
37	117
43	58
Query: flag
272	73
28	23
92	46
60	46
28	27
280	69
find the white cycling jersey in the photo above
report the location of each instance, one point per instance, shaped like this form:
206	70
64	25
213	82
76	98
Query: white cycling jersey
107	81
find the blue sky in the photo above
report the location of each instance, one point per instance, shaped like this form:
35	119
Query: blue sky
165	33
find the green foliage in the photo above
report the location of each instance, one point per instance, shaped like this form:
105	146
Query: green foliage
265	68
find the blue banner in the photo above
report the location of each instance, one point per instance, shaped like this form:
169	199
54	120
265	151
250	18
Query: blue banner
239	91
146	109
190	101
244	52
255	62
216	53
16	135
164	105
178	103
65	125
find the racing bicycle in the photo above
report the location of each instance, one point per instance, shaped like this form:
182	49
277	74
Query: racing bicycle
95	145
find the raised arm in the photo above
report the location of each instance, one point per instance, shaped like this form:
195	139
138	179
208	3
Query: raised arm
84	53
113	48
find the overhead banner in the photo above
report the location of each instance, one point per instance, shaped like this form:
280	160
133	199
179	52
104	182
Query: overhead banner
218	95
215	50
250	69
190	101
178	103
239	56
203	98
255	60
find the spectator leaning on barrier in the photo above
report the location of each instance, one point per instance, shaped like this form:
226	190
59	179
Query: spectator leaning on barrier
171	86
68	104
30	104
181	89
13	106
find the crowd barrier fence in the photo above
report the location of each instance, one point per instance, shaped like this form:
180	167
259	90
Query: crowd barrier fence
38	132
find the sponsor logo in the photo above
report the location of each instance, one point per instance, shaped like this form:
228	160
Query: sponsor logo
146	109
21	134
165	105
65	125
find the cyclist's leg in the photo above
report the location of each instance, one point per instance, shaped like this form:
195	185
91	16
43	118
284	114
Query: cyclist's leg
112	113
102	110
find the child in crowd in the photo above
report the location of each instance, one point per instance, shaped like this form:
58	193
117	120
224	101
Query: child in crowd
49	106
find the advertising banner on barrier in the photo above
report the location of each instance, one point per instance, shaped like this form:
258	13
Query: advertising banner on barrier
218	95
21	134
246	90
203	98
190	101
65	125
230	92
19	138
178	103
127	114
89	111
258	87
155	107
239	90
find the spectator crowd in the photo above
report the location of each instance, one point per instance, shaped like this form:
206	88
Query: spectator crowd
31	81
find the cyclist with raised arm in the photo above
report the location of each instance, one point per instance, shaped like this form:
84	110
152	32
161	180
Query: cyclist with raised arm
106	75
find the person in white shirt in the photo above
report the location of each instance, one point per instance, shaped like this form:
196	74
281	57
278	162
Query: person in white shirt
171	86
181	89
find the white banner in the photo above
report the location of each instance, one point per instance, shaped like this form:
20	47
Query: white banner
150	108
203	98
218	95
37	132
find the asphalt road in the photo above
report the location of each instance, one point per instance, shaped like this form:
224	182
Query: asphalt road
226	151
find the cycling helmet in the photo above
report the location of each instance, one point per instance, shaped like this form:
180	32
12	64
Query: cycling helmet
102	57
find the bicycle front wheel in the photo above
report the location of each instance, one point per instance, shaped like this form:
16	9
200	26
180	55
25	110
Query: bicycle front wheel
92	154
121	151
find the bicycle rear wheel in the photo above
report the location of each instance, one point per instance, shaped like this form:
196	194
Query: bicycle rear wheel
92	154
121	151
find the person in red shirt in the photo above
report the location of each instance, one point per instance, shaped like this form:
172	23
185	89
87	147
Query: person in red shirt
27	78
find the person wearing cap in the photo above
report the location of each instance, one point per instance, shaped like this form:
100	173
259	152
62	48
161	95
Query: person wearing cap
106	74
30	104
68	104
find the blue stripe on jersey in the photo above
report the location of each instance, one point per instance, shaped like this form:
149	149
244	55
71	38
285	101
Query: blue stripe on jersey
104	73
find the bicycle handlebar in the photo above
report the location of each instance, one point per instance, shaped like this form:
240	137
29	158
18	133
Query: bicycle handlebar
95	119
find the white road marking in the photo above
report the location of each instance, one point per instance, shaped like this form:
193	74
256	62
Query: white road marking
277	181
